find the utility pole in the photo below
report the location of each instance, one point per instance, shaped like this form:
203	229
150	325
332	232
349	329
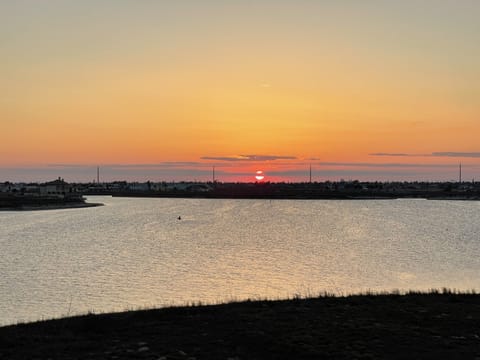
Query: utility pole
98	174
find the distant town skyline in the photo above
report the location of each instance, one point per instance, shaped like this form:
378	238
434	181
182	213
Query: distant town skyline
157	90
280	172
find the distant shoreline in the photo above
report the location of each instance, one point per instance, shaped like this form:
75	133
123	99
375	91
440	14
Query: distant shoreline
51	207
287	197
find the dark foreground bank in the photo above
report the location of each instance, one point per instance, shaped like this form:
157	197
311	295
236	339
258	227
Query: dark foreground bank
414	326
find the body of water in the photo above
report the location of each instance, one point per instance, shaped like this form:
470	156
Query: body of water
135	253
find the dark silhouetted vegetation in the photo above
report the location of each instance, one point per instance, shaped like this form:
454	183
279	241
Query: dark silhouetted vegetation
438	325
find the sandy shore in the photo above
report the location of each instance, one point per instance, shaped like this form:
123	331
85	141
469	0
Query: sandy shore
414	326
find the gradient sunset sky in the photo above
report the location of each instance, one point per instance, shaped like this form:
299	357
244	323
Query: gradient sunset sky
164	90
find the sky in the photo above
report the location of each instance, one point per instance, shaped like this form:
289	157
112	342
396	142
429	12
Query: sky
166	90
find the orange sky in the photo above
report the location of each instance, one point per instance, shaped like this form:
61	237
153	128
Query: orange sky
140	82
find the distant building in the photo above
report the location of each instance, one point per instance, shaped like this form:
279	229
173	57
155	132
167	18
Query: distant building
31	190
5	187
198	188
138	186
57	187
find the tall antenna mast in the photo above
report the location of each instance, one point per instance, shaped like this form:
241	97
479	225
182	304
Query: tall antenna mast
98	174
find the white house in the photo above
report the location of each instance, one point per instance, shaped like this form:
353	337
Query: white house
55	188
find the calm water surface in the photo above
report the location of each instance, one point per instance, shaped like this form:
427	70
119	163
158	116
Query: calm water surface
134	252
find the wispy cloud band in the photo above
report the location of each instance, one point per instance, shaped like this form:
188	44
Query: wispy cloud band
433	154
249	158
457	154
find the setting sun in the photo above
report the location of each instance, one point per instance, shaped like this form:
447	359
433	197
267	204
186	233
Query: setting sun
259	175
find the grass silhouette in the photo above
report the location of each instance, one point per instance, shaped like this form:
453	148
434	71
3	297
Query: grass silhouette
441	323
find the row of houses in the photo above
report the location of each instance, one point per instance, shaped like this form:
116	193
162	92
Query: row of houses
149	186
57	188
61	188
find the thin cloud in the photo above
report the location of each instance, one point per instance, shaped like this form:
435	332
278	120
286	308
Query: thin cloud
341	173
168	164
457	154
385	165
433	154
223	158
162	165
249	158
198	165
69	166
395	154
